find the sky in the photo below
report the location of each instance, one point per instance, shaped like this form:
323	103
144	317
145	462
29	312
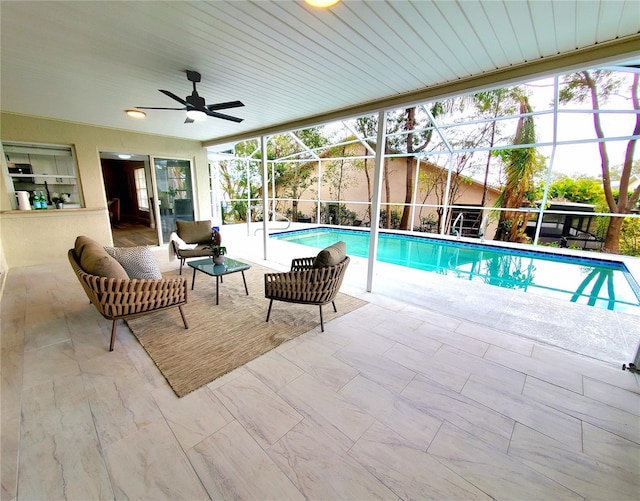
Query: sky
576	160
584	158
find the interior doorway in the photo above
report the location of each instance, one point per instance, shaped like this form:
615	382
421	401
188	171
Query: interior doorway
127	183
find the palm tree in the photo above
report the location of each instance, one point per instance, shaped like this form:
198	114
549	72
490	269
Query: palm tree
520	166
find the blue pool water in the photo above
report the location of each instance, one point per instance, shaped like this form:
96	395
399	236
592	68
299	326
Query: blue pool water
595	282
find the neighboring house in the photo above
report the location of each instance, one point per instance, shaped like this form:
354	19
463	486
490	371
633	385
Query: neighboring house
634	182
567	230
354	193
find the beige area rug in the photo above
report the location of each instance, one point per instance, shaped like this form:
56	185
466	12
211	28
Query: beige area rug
223	337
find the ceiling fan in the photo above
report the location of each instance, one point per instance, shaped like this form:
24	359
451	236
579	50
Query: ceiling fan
195	105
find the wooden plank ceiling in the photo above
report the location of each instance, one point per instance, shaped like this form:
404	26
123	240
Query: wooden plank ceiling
89	61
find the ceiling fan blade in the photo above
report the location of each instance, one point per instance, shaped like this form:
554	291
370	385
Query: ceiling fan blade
151	108
173	96
223	116
224	106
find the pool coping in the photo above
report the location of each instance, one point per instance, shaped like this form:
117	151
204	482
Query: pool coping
631	264
608	336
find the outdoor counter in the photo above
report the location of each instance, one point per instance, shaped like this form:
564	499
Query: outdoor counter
32	237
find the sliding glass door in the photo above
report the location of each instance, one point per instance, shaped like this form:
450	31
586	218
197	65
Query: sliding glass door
173	192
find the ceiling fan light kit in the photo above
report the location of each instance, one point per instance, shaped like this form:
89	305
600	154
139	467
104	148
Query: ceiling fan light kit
195	106
322	4
196	115
136	114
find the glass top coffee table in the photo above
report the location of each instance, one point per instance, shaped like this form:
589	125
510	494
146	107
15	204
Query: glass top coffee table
218	270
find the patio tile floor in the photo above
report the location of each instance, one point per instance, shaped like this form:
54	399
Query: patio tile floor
426	392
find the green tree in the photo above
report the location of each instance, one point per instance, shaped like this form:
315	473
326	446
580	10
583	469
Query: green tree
409	131
486	107
521	165
493	104
581	190
293	182
281	174
630	237
290	179
240	180
415	142
237	186
368	128
598	86
616	170
293	178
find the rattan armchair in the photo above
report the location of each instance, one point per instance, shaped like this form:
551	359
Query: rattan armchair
198	235
306	284
121	298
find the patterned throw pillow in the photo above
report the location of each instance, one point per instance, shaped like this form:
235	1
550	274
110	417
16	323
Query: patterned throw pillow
138	262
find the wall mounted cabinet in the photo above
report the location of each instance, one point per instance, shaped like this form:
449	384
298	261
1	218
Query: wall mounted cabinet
52	169
42	168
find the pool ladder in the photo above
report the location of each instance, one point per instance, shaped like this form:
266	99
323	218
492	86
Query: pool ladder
274	217
458	232
483	227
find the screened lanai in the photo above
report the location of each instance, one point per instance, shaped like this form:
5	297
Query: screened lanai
519	167
523	163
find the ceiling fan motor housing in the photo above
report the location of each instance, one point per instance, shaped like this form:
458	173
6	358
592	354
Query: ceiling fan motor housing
195	100
193	76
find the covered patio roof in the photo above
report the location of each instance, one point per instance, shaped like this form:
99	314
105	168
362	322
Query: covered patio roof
290	64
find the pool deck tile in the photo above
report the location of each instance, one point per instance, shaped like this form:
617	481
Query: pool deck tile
318	418
605	335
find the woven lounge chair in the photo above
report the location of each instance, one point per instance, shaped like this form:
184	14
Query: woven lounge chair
193	239
311	280
116	297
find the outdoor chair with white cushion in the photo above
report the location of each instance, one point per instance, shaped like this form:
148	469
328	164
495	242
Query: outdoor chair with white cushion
193	239
311	280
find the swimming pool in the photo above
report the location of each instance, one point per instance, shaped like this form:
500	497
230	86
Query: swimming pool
595	282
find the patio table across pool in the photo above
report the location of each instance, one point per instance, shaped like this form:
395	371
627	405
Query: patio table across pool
218	270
